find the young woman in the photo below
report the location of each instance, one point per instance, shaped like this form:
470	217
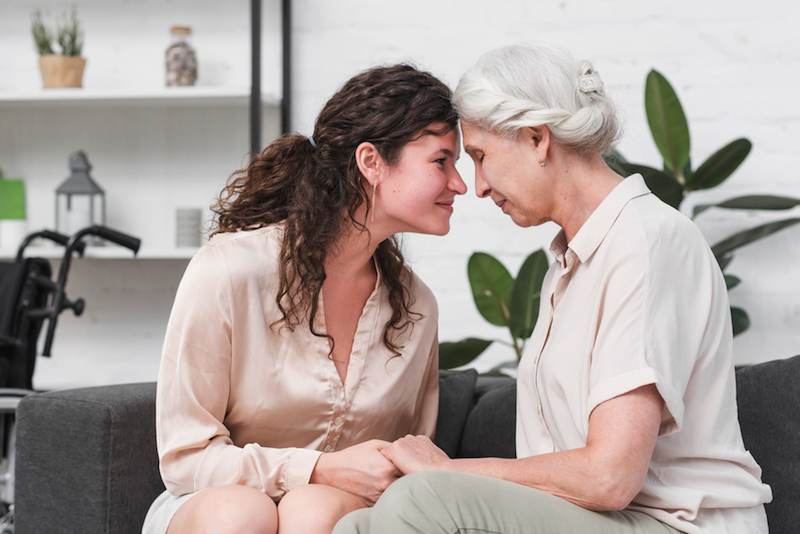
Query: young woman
300	343
626	419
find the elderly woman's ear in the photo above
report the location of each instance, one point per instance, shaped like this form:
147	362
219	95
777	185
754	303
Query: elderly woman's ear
538	137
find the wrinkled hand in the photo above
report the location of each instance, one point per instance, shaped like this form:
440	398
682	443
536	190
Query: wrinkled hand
361	470
416	453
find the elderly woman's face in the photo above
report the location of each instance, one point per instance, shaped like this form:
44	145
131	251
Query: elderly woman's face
505	171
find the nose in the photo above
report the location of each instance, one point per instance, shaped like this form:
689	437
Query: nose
455	183
482	189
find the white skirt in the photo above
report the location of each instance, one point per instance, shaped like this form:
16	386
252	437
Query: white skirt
161	512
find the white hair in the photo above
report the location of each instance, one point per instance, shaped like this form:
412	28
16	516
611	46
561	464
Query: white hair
534	85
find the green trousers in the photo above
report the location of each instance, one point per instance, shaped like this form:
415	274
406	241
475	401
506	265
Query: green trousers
435	502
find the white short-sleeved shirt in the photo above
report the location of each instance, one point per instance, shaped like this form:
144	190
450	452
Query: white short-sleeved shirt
637	298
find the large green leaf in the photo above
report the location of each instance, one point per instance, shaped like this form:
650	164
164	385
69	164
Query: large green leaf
720	165
746	237
525	294
724	260
740	320
491	287
731	281
660	183
667	122
457	353
752	202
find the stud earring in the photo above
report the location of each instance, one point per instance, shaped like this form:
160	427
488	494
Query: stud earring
373	203
543	163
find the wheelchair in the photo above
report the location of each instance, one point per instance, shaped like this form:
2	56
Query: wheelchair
28	297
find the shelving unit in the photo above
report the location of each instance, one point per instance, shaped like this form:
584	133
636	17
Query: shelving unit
110	252
153	148
165	96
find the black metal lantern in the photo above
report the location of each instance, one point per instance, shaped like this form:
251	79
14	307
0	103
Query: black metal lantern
80	202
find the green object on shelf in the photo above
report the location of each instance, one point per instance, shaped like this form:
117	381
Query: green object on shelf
12	199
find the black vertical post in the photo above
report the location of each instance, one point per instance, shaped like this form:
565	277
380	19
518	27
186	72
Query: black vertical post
255	87
286	35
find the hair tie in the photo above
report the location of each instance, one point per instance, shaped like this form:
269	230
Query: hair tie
589	83
311	140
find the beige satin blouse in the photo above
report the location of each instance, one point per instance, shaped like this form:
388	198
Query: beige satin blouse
240	402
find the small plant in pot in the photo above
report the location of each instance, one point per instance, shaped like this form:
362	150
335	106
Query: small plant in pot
64	69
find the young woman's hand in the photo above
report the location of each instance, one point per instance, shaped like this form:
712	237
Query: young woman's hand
415	453
361	470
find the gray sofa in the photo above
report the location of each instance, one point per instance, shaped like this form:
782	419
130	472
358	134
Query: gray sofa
87	464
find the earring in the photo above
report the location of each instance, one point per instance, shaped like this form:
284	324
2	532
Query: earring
543	163
373	203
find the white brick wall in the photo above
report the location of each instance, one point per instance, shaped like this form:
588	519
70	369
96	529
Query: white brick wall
735	65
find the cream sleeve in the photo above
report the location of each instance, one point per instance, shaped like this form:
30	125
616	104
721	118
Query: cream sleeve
194	446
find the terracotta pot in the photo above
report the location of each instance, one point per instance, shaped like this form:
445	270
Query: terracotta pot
61	71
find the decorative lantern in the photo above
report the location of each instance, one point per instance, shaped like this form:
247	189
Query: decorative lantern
80	202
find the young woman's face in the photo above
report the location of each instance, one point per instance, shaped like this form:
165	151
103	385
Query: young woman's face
505	170
416	194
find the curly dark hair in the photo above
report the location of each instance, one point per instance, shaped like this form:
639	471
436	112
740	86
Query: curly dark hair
316	192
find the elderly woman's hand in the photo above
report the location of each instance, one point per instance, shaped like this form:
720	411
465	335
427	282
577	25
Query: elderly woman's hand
416	453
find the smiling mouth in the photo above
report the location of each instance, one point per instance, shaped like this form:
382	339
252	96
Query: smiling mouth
501	204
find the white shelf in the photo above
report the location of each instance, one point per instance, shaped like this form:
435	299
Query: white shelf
111	252
159	96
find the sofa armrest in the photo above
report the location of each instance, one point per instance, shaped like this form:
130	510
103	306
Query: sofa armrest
86	460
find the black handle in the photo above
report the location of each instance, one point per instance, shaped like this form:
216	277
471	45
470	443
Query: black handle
51	330
60	301
61	239
124	240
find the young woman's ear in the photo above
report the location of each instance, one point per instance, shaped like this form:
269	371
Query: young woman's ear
369	162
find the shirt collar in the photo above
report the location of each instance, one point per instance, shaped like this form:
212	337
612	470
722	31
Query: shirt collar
599	223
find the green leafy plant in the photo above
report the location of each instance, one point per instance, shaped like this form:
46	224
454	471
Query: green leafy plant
677	179
68	35
502	300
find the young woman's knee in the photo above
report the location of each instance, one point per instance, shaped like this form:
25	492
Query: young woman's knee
227	509
314	508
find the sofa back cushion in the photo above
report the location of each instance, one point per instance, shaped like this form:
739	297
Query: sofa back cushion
768	397
490	426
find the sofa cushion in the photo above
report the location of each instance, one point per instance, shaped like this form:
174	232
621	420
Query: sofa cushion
768	396
455	401
490	426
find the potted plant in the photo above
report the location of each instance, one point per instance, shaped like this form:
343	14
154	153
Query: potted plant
502	300
677	178
64	69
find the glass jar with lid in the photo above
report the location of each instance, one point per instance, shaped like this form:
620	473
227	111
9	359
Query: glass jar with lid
181	58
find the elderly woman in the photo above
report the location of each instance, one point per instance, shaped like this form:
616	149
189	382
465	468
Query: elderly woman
626	409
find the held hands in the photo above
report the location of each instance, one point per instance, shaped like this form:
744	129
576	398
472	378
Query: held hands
360	470
416	453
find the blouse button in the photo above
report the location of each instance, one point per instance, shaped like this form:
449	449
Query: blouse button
338	421
328	448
